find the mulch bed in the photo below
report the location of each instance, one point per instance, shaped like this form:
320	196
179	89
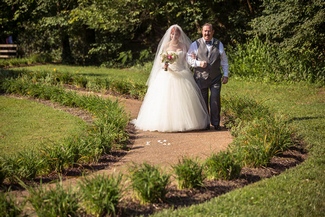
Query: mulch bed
182	198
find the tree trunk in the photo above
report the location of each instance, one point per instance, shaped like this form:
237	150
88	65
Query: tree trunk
66	55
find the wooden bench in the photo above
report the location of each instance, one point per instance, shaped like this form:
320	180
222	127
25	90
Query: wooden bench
8	50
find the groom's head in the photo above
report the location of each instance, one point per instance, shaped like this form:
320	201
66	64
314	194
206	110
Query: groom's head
207	32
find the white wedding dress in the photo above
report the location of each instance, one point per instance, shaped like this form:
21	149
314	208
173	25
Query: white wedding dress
173	102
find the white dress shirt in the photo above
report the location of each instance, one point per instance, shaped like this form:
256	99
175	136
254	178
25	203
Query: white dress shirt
196	63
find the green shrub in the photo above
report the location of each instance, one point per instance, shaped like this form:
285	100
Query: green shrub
238	110
3	173
149	184
80	151
258	60
222	165
25	165
63	77
189	173
59	157
41	58
252	60
8	207
89	149
15	62
100	195
80	81
56	158
55	201
260	140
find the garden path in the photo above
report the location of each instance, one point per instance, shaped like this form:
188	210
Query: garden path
164	149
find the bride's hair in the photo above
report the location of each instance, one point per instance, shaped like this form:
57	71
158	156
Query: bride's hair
183	39
175	29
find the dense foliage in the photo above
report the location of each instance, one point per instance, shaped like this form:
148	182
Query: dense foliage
126	32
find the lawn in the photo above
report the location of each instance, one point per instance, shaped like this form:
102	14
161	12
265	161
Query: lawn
136	74
27	124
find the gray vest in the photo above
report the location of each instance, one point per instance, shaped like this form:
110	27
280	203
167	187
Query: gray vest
212	58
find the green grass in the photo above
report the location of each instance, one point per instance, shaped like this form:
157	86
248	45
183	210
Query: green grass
129	81
299	191
133	74
28	124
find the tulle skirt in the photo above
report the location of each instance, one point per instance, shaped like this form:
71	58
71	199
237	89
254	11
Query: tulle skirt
172	103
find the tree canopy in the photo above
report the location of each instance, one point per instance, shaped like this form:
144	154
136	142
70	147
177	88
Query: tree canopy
99	31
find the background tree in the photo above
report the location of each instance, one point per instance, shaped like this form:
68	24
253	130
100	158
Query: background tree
298	28
126	32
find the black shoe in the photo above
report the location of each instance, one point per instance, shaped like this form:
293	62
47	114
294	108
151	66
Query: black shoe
217	128
208	127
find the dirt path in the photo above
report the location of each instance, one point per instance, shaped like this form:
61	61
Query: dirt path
165	149
161	149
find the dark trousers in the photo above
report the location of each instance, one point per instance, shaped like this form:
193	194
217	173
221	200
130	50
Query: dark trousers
214	88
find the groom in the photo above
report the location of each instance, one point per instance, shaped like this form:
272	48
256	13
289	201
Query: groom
207	56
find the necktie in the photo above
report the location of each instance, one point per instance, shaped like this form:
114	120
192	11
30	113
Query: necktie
208	42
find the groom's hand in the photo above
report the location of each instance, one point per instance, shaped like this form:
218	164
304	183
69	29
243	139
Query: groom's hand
224	80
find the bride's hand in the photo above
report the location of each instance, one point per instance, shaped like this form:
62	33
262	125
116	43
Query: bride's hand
203	64
166	66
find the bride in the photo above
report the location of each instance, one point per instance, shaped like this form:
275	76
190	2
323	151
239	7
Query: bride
173	102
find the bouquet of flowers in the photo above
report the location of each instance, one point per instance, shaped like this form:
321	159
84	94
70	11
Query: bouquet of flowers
168	58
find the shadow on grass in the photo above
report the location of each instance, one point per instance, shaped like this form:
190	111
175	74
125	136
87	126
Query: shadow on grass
305	118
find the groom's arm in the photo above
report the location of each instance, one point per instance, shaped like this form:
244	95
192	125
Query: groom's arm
192	57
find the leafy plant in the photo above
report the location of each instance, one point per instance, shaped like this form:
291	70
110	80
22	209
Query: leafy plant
3	173
8	207
100	195
82	150
41	58
24	165
189	173
260	140
222	165
239	110
80	81
149	184
57	157
125	57
53	202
